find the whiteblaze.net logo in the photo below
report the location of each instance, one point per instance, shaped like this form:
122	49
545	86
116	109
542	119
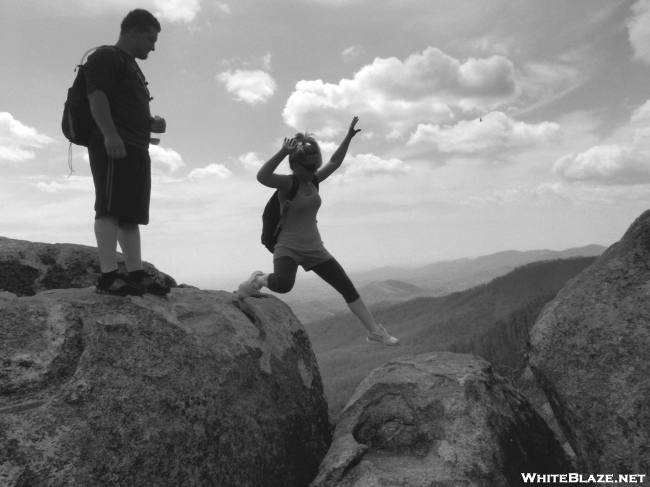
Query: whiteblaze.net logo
576	478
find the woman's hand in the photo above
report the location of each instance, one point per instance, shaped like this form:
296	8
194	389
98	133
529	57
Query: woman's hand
352	131
289	145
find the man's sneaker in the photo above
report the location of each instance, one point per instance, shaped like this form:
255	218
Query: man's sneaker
382	337
118	285
148	284
249	287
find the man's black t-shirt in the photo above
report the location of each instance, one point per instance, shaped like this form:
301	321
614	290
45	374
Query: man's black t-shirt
119	77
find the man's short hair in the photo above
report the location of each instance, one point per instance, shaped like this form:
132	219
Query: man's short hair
141	19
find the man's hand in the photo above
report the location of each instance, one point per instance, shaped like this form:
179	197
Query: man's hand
158	125
114	146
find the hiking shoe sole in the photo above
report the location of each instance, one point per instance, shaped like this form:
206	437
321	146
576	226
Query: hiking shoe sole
119	287
382	338
150	286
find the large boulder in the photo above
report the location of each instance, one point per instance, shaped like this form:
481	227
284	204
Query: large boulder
192	389
27	268
439	419
591	355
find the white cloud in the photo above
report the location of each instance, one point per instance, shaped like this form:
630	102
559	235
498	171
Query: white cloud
539	83
368	165
639	30
588	194
505	196
17	140
251	161
224	7
251	87
642	114
607	165
495	132
397	95
352	52
213	170
73	183
165	160
266	61
177	10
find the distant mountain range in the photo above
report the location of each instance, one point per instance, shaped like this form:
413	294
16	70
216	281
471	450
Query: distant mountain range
491	320
311	299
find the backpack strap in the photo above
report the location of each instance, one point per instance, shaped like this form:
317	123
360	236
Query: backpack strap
123	57
295	185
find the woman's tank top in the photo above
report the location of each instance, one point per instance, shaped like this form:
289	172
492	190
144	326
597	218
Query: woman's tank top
300	230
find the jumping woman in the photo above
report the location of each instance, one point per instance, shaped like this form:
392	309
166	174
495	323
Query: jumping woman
299	242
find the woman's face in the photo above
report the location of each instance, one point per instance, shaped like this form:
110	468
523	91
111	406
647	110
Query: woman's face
307	167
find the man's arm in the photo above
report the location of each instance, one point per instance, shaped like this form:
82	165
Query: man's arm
101	111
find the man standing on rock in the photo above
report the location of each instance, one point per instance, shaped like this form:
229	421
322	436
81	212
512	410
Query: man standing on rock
119	152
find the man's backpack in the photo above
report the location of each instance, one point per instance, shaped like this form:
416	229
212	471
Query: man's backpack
272	217
77	123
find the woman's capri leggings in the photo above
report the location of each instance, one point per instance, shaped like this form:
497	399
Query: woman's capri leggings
284	277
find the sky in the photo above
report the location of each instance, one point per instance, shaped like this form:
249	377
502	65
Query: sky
486	125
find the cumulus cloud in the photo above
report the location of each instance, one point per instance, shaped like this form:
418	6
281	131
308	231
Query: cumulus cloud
639	30
606	164
17	141
368	165
496	131
251	161
251	87
177	10
165	160
212	171
398	94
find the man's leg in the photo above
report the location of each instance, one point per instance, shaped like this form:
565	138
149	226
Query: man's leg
106	231
129	238
110	282
128	235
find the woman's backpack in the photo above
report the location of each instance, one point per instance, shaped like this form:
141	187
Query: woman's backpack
272	217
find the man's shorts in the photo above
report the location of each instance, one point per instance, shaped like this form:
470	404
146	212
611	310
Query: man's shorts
122	186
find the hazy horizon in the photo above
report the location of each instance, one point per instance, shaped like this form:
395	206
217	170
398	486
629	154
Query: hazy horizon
486	125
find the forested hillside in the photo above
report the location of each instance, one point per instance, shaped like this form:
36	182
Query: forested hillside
312	299
491	320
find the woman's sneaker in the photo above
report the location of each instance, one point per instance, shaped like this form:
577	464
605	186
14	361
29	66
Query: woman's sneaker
249	287
117	285
382	337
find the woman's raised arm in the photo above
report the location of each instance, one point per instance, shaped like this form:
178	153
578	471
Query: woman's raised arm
339	154
266	175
